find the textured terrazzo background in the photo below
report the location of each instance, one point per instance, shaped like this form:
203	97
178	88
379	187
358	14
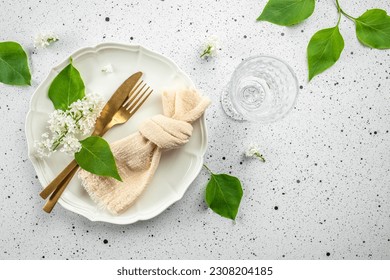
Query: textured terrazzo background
324	191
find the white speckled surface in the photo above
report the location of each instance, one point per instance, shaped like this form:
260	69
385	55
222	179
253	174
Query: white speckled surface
327	170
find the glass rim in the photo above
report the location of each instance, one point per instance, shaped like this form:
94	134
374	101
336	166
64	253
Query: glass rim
292	74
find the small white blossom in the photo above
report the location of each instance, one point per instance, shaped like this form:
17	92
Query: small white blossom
42	40
253	151
210	49
107	69
70	145
87	111
56	122
67	127
43	148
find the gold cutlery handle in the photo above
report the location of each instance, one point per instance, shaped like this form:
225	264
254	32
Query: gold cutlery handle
59	184
51	202
58	180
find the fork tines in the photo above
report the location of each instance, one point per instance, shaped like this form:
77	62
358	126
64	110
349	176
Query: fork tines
137	97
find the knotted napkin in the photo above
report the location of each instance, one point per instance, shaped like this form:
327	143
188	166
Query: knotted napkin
137	155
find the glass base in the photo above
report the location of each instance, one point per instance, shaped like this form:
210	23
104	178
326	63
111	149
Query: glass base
228	106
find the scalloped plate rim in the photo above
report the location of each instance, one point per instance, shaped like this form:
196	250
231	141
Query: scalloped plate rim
68	204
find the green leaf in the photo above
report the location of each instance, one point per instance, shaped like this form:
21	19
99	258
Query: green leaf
287	12
66	88
324	50
223	195
14	64
373	29
96	157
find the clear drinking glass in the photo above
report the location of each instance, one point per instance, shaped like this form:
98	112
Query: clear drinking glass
262	89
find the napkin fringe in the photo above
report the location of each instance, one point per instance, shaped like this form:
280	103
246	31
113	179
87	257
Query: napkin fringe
95	198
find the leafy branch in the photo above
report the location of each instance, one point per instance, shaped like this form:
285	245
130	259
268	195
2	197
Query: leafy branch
95	155
326	45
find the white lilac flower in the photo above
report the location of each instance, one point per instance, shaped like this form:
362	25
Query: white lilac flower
43	148
210	49
87	111
56	122
67	127
107	69
253	151
44	39
70	145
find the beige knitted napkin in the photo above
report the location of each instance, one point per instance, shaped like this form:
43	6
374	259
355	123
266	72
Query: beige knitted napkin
138	155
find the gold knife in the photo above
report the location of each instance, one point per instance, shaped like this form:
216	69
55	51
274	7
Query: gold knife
108	111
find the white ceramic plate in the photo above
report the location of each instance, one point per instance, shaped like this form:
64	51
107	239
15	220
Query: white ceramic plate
177	169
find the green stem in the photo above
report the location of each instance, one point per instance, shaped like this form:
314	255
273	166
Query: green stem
344	13
59	140
260	156
206	51
208	169
51	40
339	11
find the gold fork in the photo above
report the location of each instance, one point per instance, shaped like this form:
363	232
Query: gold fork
126	111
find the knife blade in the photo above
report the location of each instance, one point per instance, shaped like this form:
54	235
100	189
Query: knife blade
115	102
